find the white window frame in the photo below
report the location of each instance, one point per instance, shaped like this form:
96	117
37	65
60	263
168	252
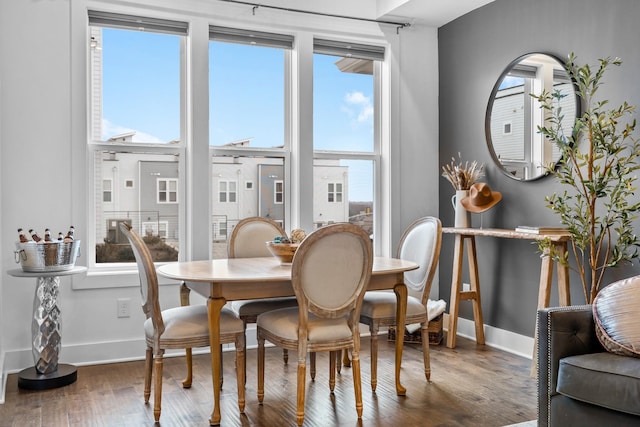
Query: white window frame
168	191
278	190
296	154
101	275
332	195
109	191
228	183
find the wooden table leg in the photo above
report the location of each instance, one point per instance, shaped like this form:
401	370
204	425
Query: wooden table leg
400	290
474	294
544	296
214	306
456	283
564	293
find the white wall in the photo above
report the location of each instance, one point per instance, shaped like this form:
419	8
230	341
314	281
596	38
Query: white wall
42	175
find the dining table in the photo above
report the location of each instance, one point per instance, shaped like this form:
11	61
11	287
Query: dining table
223	280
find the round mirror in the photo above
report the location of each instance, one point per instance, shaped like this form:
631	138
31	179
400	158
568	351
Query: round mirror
513	115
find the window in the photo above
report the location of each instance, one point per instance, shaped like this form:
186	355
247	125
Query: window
227	192
167	190
346	149
247	87
107	190
278	191
506	130
249	81
141	99
135	130
334	192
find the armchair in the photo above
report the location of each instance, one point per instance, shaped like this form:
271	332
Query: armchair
579	382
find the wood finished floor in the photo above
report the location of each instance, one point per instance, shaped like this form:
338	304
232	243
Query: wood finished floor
470	386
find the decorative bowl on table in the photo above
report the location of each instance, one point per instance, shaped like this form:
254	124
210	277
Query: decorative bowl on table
283	251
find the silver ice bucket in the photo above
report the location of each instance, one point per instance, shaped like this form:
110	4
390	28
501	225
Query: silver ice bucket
49	256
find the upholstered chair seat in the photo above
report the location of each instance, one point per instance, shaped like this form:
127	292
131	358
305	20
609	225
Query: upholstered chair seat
379	304
284	324
191	324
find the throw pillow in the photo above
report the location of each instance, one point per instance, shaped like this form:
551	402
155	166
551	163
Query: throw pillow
616	310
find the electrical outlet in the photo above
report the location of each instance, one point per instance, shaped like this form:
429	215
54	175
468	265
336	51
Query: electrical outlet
124	307
466	287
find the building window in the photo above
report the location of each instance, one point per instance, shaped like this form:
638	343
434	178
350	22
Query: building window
107	190
128	183
506	129
334	192
278	192
227	191
167	190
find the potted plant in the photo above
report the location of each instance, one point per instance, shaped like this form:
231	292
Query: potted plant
597	169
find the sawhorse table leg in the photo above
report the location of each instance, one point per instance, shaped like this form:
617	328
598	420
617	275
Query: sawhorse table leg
457	294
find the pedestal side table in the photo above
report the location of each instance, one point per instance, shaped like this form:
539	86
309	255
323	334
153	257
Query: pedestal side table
46	334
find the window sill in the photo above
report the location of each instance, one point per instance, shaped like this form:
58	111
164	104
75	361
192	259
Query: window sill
107	279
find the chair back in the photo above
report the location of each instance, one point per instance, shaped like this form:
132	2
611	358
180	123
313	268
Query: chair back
420	243
148	279
249	237
331	271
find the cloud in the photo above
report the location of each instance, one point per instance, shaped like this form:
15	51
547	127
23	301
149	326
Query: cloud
359	106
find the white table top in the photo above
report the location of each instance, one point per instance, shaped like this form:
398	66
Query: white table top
18	272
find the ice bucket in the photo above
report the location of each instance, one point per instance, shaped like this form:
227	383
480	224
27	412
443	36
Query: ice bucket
50	256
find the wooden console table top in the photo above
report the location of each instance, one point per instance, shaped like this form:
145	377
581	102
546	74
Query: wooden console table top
506	233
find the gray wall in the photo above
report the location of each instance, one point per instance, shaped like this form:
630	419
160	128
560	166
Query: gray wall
473	50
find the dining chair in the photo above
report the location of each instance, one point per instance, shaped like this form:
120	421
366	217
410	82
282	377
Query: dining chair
329	274
177	328
419	243
248	240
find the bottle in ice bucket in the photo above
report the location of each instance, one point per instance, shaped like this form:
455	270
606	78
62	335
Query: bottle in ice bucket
34	236
60	237
21	236
47	235
69	237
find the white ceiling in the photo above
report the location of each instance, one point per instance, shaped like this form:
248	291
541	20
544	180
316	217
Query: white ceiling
426	12
434	13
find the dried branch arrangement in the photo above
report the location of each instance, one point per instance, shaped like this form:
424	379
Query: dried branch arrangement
462	175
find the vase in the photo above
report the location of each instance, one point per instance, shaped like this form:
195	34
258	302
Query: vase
462	216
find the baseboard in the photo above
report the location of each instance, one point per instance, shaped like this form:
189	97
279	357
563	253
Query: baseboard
3	382
510	342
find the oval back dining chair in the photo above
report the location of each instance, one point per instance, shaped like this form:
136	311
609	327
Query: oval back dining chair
419	243
177	328
248	240
330	274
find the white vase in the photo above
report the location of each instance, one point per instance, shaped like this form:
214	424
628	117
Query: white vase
462	216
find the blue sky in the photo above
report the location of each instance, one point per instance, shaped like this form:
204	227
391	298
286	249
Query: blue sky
141	92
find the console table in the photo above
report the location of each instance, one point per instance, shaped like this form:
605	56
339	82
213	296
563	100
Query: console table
462	235
45	333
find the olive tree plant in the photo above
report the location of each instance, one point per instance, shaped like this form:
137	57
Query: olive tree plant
597	169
